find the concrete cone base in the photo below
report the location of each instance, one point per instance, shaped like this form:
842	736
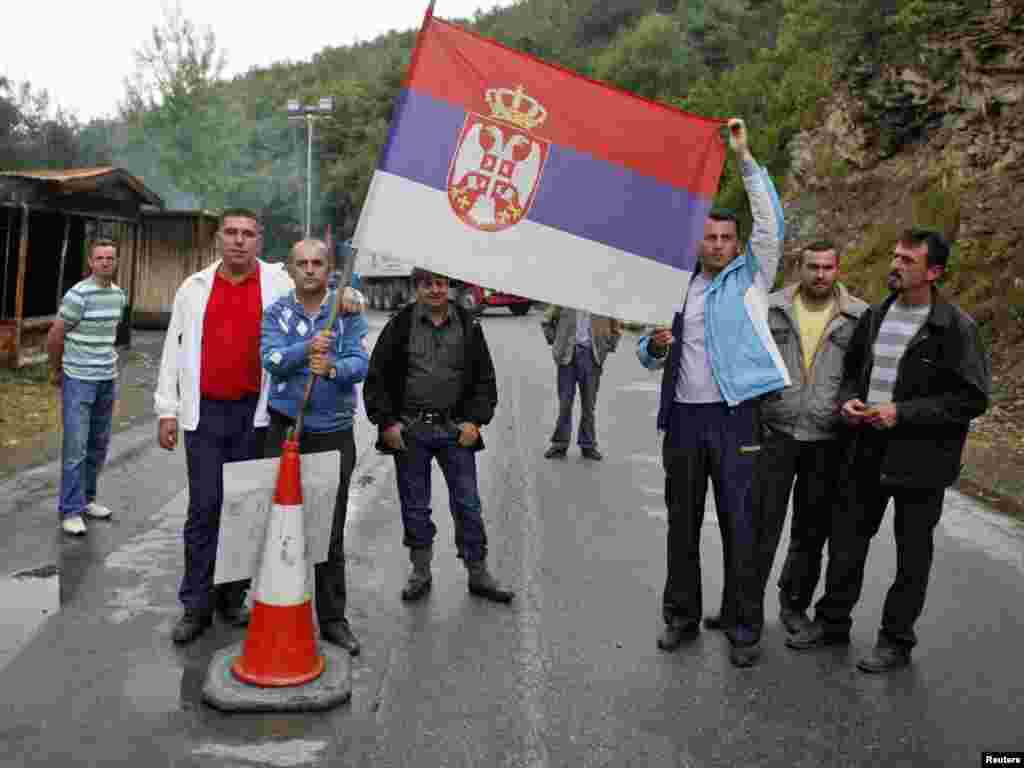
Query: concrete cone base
223	691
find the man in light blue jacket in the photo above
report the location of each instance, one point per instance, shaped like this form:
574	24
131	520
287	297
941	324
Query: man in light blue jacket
295	341
718	359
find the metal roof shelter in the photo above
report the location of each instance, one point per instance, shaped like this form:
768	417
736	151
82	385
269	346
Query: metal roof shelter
47	220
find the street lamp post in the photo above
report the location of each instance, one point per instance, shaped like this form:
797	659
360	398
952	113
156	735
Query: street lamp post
309	113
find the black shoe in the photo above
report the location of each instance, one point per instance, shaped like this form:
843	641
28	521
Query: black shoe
190	626
416	588
717	623
229	603
483	584
340	633
555	452
745	655
235	615
795	622
815	635
591	453
674	635
883	659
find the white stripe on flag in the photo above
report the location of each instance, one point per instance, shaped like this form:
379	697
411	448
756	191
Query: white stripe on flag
415	223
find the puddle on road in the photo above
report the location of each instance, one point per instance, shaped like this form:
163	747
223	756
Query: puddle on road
28	598
154	688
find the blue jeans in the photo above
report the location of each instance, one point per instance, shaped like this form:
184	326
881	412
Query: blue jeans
423	444
87	409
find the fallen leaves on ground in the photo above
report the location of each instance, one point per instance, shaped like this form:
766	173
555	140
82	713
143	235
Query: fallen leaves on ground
27	408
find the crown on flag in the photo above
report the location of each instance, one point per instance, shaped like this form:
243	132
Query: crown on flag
515	107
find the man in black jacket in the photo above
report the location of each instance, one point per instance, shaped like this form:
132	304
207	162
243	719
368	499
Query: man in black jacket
914	376
430	388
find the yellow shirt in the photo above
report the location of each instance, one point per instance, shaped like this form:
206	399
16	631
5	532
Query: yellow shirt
811	323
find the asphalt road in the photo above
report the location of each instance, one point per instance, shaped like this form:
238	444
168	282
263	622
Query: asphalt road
567	675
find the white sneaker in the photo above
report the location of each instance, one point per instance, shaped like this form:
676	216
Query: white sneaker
73	525
98	511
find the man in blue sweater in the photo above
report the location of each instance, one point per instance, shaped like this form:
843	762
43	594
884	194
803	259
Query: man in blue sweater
296	341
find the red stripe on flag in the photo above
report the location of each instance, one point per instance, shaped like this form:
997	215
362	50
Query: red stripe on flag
659	141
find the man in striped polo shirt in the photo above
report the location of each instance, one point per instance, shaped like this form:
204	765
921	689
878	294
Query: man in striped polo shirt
914	375
83	363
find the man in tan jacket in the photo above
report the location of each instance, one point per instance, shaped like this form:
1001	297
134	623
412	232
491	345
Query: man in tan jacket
580	342
812	322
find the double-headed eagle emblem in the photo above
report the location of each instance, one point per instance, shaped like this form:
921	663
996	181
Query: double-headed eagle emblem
497	166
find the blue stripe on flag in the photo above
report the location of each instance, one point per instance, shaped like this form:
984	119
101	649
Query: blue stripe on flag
578	194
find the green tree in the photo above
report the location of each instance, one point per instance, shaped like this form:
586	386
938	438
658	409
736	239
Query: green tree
650	59
178	111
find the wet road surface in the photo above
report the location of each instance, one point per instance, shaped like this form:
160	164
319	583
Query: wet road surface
567	675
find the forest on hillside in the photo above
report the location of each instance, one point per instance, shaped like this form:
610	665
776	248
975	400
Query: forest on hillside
201	140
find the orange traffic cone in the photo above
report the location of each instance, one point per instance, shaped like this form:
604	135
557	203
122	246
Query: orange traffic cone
280	648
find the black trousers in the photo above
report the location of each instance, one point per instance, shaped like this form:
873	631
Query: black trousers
917	512
330	575
814	466
225	433
721	443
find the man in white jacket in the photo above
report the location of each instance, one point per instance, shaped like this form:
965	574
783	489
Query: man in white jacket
213	386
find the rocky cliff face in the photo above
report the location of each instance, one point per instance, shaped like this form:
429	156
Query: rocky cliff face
939	143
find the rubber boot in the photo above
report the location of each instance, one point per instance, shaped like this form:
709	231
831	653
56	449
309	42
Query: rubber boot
483	584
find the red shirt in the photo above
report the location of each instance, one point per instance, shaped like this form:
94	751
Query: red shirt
230	365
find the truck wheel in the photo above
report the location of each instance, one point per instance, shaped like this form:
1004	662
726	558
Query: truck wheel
519	309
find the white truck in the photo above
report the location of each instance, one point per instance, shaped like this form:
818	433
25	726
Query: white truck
384	280
387	284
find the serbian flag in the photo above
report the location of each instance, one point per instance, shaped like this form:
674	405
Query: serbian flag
523	177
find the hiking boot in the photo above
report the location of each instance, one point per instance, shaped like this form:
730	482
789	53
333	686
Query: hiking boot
591	453
675	634
815	635
340	633
556	452
884	658
483	584
418	584
190	626
73	525
745	655
794	621
92	509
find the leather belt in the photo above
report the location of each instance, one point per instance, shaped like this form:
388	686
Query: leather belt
431	416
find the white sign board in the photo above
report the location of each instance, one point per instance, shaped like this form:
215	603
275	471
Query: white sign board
248	496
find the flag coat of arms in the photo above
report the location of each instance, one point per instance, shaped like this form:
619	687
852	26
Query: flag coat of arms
522	176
